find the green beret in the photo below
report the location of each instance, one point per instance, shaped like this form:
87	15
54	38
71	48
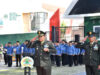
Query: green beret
41	33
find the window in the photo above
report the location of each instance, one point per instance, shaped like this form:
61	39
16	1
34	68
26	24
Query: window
97	30
37	19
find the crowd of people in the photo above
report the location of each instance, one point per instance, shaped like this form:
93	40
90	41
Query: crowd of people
18	50
45	53
66	53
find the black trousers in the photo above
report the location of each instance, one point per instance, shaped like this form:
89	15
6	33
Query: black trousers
43	70
52	59
80	59
70	58
9	60
58	58
64	59
76	59
18	59
5	58
91	70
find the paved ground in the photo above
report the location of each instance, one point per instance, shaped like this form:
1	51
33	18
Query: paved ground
63	70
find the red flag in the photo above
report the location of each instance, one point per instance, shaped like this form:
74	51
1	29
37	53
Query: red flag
55	21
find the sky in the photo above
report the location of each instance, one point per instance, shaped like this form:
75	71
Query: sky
29	5
62	3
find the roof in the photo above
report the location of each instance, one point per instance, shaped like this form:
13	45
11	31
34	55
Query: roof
86	7
83	7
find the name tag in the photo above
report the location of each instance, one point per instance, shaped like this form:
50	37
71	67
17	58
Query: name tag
46	46
96	47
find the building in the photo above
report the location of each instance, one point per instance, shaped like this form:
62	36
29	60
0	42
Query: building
88	10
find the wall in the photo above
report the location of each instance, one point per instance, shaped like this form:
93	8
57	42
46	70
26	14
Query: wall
90	22
16	37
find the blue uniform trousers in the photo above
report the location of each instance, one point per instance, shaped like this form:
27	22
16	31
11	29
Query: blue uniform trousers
64	59
76	59
5	58
9	60
80	59
18	60
70	58
58	58
52	59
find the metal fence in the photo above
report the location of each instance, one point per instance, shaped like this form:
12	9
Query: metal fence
71	33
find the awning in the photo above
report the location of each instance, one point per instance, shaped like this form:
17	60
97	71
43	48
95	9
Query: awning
83	8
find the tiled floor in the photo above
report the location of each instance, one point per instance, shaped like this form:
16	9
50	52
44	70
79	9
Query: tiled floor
63	70
82	73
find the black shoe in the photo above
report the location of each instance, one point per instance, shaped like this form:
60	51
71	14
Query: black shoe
16	65
6	64
58	66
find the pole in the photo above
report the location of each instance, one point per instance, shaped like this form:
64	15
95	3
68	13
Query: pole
27	71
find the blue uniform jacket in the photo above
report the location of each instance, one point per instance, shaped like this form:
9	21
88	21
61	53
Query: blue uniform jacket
31	50
18	49
82	51
63	48
25	49
5	47
77	50
71	50
58	50
9	50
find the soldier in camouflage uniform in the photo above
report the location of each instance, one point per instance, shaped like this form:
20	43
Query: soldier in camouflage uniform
43	48
92	54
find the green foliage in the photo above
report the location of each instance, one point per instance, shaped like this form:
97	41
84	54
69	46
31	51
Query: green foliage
63	24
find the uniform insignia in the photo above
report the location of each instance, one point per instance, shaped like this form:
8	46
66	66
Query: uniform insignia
39	32
90	33
95	47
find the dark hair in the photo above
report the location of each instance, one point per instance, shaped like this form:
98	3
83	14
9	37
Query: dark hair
26	40
64	41
9	43
70	41
57	41
17	41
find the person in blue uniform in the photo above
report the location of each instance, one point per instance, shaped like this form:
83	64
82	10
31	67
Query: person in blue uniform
76	56
82	52
71	53
9	54
31	52
24	48
63	47
18	54
58	54
5	54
